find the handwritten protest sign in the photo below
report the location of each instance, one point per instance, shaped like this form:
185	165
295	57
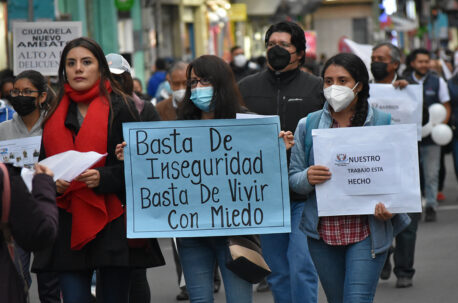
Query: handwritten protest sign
368	165
405	105
38	45
205	178
21	152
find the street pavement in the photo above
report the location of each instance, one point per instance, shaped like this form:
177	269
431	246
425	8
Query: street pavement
436	263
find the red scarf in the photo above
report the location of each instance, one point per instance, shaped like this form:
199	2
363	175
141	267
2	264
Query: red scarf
91	212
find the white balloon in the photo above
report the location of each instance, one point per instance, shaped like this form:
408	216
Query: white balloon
437	113
442	134
426	129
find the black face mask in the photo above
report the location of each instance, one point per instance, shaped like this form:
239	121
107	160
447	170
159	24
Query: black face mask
379	70
278	57
23	105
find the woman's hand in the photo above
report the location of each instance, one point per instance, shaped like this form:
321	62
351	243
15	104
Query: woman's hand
318	174
91	177
381	213
41	169
119	151
288	137
61	186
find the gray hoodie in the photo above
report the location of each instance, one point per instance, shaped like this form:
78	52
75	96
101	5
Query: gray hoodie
15	128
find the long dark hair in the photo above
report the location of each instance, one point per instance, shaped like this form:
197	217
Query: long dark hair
104	70
358	71
40	83
125	82
226	99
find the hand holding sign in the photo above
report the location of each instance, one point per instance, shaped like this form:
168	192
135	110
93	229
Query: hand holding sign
119	151
318	174
381	213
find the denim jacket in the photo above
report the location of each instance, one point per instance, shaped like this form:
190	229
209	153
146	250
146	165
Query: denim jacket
382	232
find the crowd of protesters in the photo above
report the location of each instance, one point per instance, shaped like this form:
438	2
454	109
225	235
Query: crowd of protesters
76	230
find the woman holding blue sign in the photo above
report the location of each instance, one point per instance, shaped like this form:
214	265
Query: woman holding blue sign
348	251
211	93
88	116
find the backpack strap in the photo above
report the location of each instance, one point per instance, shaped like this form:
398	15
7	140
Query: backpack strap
313	119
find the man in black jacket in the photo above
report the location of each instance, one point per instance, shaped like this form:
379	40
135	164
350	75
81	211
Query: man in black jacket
282	89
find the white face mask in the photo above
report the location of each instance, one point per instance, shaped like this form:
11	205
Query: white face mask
240	60
339	96
177	96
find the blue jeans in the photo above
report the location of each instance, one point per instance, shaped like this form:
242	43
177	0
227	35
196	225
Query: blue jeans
293	278
430	156
347	273
198	258
114	285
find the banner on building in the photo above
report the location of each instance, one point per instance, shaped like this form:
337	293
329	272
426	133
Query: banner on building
205	178
38	45
368	165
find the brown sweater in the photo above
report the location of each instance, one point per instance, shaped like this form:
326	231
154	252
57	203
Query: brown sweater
166	110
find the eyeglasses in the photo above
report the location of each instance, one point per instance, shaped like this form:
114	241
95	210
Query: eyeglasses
24	92
193	82
281	44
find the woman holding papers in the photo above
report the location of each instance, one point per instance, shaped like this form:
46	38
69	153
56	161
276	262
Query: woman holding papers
348	251
88	116
29	99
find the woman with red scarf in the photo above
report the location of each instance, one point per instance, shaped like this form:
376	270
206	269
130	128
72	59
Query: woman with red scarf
88	116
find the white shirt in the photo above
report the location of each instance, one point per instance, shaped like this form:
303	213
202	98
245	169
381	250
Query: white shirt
444	96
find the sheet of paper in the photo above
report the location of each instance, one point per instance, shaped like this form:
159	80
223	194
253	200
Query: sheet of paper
251	116
368	165
66	166
20	152
405	105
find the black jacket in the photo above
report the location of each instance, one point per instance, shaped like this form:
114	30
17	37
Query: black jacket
292	95
110	247
33	222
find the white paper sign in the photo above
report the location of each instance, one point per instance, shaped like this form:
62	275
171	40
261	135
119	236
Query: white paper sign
20	152
405	105
66	166
368	165
38	45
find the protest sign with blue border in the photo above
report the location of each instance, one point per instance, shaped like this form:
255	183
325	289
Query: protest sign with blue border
205	178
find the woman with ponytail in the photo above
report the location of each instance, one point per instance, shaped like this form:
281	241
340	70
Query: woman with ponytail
88	116
348	251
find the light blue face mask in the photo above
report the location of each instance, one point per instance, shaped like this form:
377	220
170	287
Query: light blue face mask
202	97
